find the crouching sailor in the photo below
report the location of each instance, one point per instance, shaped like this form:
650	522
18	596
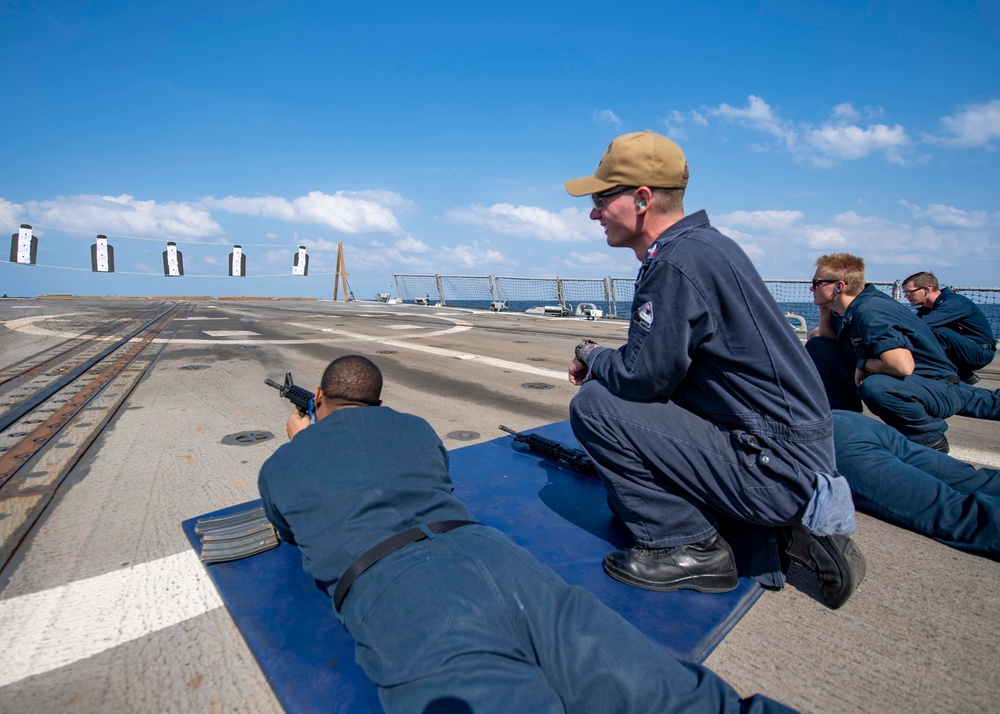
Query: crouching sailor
447	614
712	408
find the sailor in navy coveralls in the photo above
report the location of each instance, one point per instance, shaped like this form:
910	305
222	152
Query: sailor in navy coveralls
870	349
957	322
712	408
453	617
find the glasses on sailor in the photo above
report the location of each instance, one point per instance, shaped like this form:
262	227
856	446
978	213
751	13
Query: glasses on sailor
816	283
601	199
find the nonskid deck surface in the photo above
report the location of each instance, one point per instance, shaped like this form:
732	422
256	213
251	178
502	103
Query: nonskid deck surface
104	606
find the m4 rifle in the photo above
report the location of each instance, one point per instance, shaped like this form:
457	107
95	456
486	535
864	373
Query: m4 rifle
576	458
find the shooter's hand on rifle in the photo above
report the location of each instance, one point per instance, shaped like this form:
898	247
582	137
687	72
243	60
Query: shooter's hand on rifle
304	401
297	421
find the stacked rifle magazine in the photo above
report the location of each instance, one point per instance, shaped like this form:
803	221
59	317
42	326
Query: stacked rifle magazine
235	536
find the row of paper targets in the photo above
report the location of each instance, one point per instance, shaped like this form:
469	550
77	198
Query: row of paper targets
24	250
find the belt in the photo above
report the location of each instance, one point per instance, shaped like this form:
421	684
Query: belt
952	379
389	545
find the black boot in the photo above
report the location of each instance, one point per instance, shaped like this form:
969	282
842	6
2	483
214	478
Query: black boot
707	567
835	559
939	444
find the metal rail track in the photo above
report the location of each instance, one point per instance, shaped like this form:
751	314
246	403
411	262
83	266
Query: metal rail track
52	359
45	436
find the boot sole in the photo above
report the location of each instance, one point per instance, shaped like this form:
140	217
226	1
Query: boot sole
851	567
700	583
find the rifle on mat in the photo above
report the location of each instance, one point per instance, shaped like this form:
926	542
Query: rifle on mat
576	458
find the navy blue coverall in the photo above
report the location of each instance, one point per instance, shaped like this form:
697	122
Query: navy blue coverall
962	329
917	488
916	405
464	620
711	407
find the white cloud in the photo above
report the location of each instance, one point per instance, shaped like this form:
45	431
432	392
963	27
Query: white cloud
585	259
824	237
838	139
949	216
850	219
767	220
349	212
569	224
117	215
12	213
607	117
845	112
411	245
853	142
976	125
674	122
473	256
757	114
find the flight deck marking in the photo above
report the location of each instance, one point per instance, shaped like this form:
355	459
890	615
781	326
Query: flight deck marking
28	325
404	343
230	333
43	631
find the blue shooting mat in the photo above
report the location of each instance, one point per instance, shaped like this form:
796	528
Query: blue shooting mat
558	515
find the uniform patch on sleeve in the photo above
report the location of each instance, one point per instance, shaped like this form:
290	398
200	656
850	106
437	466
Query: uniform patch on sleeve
645	315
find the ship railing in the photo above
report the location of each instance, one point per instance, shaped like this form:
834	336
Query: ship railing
614	295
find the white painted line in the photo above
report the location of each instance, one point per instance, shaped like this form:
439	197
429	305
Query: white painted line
27	322
976	456
454	354
43	631
404	327
230	333
202	317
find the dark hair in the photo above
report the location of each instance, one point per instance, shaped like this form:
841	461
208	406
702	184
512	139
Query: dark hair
352	380
922	280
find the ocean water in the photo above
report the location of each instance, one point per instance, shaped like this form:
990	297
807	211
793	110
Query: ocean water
807	310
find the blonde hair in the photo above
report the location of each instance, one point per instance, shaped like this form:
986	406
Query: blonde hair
846	267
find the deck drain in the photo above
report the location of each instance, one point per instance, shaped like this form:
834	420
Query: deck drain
385	352
463	435
195	366
249	347
536	385
247	438
535	359
521	342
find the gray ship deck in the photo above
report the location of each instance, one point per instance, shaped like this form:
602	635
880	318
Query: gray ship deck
104	607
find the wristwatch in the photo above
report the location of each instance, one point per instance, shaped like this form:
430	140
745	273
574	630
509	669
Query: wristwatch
584	349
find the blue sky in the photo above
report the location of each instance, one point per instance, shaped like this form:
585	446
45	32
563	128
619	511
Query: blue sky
435	137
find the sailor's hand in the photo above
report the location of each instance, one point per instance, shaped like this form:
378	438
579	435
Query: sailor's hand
577	372
296	423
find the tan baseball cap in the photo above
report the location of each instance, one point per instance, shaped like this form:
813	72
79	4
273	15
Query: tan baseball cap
643	158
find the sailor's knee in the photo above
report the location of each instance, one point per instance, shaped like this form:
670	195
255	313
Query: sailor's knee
873	389
588	401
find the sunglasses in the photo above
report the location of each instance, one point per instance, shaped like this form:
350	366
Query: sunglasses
601	199
816	283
